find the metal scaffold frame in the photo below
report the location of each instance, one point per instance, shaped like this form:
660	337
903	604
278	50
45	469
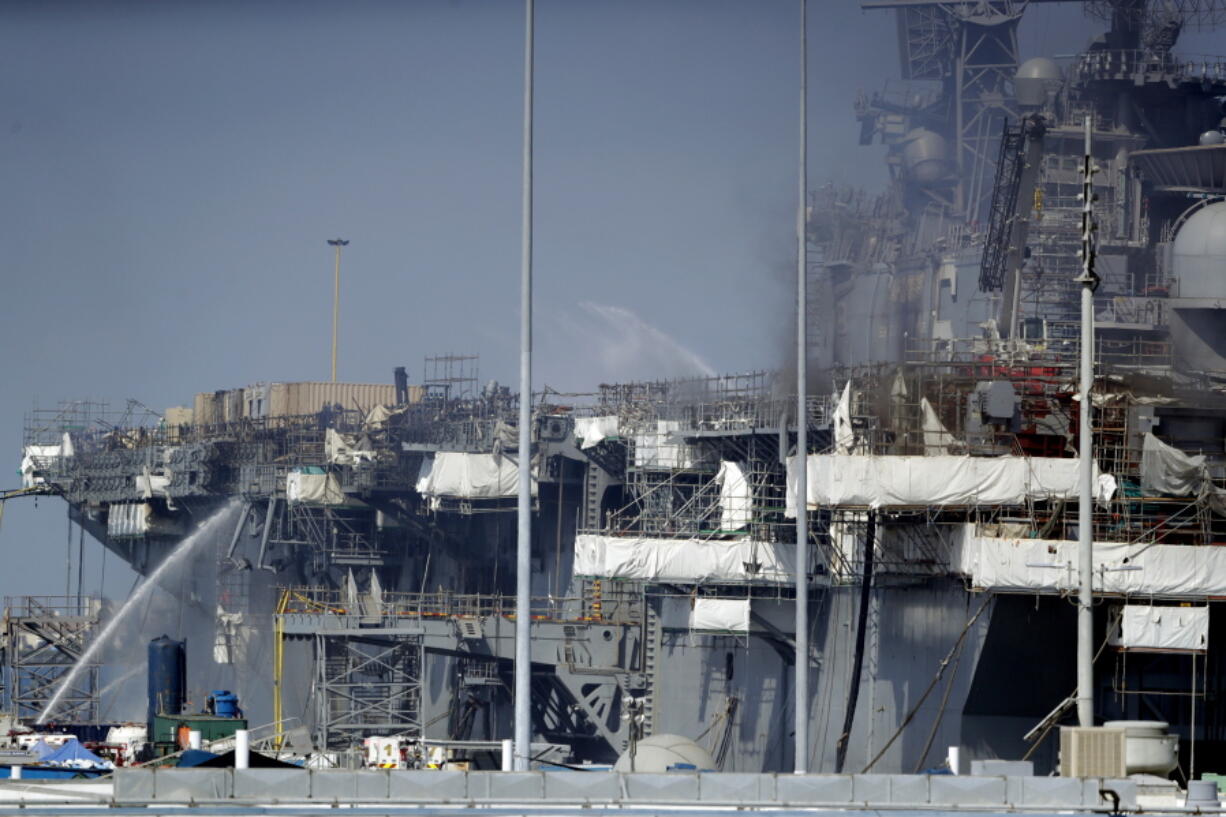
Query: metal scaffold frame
367	685
675	439
44	637
888	419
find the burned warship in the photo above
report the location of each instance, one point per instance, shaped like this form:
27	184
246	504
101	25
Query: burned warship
360	580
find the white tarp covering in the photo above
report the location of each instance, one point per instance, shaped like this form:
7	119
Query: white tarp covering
720	615
844	436
313	489
663	448
882	481
682	560
37	458
150	485
1167	571
1157	627
343	449
470	476
229	638
591	431
735	497
936	437
128	519
378	416
1165	470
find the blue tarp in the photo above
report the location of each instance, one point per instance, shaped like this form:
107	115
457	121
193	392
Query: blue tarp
41	748
51	773
72	753
194	757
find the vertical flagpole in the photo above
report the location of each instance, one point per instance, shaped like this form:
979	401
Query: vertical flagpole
1085	527
523	550
802	437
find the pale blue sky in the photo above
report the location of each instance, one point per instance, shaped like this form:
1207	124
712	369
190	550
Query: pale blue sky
170	172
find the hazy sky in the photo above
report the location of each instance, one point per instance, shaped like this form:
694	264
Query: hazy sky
169	172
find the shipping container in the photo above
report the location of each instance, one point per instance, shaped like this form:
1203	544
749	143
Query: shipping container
293	399
207	408
289	399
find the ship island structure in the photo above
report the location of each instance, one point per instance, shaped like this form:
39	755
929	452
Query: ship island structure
357	574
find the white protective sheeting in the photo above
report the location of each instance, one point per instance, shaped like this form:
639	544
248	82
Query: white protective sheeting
720	615
313	489
663	448
591	431
150	485
230	637
470	476
1157	627
343	449
735	497
936	436
884	481
1048	565
36	458
682	560
1165	470
844	436
128	519
378	416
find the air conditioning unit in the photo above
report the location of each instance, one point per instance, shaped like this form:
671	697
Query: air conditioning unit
1092	751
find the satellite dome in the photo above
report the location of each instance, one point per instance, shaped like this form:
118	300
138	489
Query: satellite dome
1212	137
660	753
1035	79
1200	254
926	156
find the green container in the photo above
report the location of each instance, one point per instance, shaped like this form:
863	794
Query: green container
210	727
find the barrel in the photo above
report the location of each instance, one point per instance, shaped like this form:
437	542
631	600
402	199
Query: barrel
225	703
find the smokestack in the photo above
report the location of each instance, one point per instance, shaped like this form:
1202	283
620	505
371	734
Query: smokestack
402	385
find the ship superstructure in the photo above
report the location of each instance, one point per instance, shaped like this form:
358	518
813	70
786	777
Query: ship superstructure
361	581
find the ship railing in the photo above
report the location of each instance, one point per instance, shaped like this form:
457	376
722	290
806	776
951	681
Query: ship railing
55	606
1130	63
99	436
609	604
986	358
748	414
1054	358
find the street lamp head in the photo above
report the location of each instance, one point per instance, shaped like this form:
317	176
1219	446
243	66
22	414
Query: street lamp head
337	242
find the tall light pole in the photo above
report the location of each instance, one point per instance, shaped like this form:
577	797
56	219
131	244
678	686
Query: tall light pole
523	546
336	298
802	426
1085	508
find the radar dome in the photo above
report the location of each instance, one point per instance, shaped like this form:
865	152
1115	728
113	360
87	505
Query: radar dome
660	753
1200	254
925	156
1212	137
1035	79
